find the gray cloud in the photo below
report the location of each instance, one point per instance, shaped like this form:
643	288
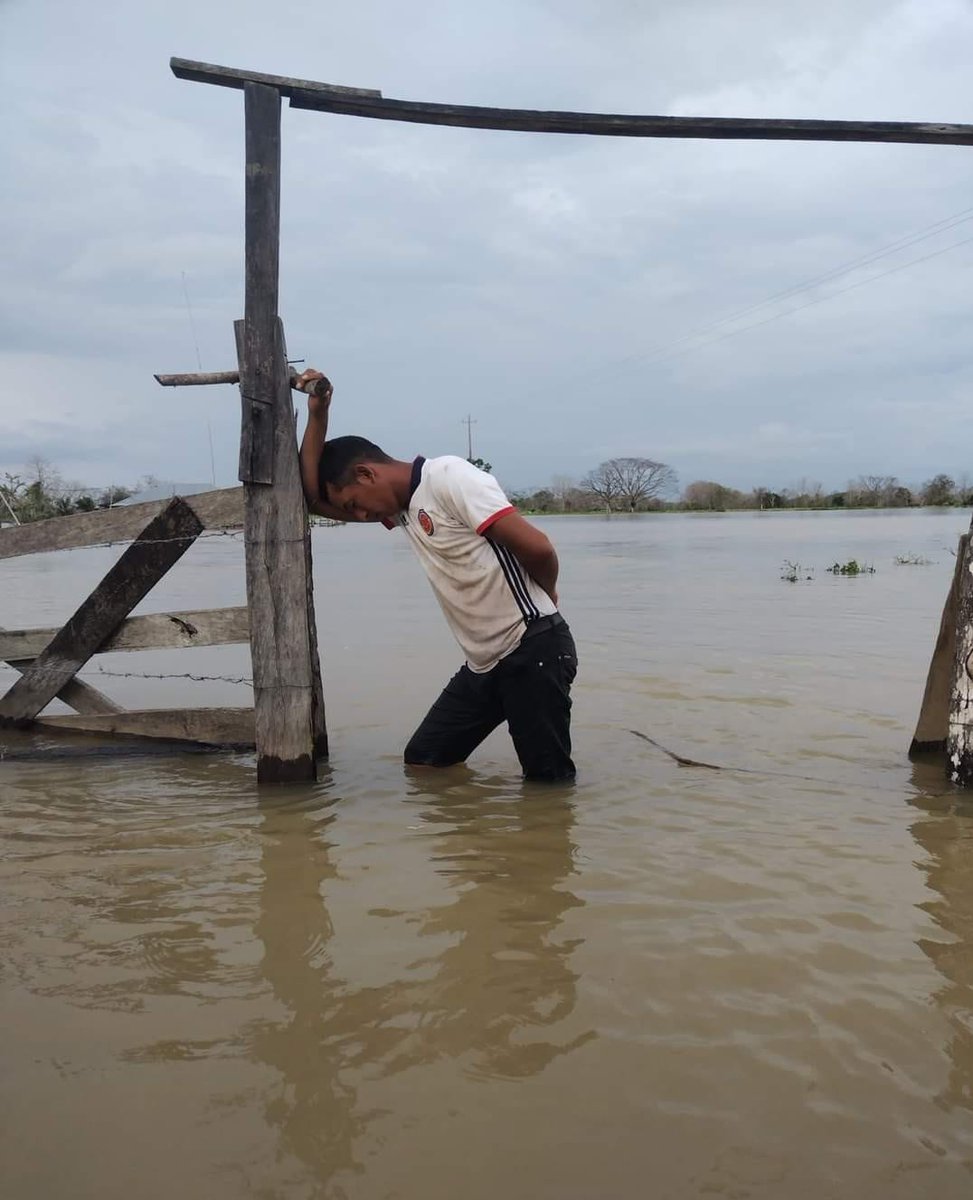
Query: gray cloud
546	284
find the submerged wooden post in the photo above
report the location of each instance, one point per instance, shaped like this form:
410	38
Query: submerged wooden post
959	740
289	713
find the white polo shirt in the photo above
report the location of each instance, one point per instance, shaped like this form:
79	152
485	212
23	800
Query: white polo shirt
485	593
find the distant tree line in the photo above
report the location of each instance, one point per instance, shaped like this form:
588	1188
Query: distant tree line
39	492
644	485
618	485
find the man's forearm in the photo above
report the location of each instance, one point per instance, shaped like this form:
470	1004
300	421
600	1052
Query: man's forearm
543	569
312	444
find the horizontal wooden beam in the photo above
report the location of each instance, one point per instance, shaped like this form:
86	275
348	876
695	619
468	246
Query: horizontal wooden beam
360	102
207	378
221	509
231	77
158	631
212	726
623	125
198	378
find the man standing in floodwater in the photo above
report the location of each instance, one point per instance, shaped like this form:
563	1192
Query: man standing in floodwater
494	575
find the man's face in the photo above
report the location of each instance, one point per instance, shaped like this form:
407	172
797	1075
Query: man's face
366	498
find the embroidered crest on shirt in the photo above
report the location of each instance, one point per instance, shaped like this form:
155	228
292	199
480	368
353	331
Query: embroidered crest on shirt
425	523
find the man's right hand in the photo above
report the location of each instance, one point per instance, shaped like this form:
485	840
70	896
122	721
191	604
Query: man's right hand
319	391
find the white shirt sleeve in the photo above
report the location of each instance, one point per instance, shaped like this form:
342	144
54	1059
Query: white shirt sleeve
474	496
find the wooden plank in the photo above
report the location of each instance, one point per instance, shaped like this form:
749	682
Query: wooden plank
275	525
73	746
157	631
222	509
287	693
933	724
630	125
213	726
257	351
365	102
959	739
161	544
257	424
200	72
198	378
206	378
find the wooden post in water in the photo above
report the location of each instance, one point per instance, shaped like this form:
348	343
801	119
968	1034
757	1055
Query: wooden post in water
932	728
289	712
959	739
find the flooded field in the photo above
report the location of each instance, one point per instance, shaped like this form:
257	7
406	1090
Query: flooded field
663	982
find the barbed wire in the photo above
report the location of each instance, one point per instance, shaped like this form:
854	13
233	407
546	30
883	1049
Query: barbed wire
148	675
167	675
131	541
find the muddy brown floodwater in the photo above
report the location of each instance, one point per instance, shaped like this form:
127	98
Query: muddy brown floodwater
662	982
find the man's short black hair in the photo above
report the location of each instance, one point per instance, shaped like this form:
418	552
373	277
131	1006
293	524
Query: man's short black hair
341	455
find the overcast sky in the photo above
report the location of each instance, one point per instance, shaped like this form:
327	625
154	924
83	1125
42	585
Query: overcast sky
565	291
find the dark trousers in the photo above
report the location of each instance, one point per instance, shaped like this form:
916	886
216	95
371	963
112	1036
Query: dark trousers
530	689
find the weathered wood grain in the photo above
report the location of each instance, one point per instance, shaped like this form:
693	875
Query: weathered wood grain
161	544
625	125
222	509
959	739
319	725
212	726
288	716
200	72
257	424
933	724
275	522
156	631
198	378
206	378
364	102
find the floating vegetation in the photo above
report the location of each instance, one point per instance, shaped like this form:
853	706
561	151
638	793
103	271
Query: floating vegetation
851	567
792	572
912	560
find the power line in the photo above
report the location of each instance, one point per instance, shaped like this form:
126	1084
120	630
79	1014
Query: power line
853	264
669	349
673	353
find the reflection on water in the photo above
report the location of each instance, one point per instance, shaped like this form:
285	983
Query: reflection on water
502	971
944	830
661	981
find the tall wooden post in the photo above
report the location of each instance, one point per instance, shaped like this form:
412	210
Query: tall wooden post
289	713
959	739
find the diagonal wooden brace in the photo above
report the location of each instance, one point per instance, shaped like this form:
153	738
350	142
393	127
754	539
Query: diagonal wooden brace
158	547
80	696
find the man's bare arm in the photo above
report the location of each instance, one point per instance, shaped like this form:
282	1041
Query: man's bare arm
531	547
319	392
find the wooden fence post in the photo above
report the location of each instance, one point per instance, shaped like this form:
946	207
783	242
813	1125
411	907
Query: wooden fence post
959	741
289	712
932	727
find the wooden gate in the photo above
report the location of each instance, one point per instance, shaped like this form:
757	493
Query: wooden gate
159	532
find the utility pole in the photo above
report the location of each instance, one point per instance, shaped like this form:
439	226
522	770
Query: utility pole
469	422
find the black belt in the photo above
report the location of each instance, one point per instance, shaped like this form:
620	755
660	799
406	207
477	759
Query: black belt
542	624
